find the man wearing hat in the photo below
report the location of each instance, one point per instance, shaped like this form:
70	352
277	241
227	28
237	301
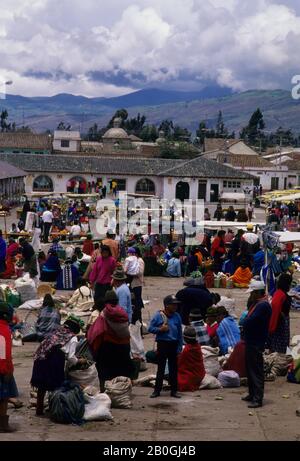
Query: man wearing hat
122	291
256	328
167	326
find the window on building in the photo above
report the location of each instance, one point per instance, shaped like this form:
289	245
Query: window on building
145	186
27	152
43	184
231	184
16	151
65	143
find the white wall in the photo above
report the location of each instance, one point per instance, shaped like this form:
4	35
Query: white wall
73	147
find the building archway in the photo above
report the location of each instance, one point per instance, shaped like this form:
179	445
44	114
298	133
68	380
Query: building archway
77	185
42	183
182	191
145	186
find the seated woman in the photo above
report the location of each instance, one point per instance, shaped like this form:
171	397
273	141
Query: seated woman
242	276
109	339
228	332
191	369
48	371
82	299
51	269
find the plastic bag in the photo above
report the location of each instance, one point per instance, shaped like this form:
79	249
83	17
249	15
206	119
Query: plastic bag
210	382
136	341
120	392
229	379
97	407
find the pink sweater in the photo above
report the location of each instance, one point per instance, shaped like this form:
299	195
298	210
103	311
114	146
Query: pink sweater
102	270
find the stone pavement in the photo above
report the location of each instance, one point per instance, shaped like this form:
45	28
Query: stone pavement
197	416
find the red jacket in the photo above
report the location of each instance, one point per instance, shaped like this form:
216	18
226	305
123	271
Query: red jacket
218	245
191	369
6	364
277	305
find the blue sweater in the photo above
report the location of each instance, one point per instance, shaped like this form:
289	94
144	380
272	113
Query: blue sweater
175	329
256	326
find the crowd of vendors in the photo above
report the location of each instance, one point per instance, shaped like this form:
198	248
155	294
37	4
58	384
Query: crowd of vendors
200	342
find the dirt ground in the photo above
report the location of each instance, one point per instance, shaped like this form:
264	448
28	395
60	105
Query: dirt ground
196	417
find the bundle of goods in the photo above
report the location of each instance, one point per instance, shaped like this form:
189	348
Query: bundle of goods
97	405
211	360
276	364
120	392
26	287
229	379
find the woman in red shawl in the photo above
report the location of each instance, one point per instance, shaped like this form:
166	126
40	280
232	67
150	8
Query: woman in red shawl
109	339
191	369
8	387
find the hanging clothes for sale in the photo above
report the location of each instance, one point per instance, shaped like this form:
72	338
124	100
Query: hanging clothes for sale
268	277
68	277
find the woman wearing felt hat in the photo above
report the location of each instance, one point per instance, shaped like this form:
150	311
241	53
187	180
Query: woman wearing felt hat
191	369
8	387
48	371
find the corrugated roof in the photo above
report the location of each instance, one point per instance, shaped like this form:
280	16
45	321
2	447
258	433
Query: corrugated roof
198	167
25	141
10	171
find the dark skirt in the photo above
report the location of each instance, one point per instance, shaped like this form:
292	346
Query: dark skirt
138	301
99	294
280	340
49	374
114	360
8	389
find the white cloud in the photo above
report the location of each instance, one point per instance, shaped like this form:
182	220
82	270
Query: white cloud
241	44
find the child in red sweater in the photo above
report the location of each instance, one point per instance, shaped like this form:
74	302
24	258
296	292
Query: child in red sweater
191	369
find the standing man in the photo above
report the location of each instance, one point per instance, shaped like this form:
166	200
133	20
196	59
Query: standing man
256	329
47	218
124	296
112	244
166	325
2	253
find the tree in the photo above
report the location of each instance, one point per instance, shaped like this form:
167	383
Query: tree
135	125
167	127
252	133
181	134
120	113
149	133
220	128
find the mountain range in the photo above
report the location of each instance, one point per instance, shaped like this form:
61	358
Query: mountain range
185	108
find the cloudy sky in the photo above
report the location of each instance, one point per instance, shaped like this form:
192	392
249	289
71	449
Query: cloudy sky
112	47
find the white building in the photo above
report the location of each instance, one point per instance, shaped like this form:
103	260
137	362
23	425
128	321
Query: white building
66	141
198	178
